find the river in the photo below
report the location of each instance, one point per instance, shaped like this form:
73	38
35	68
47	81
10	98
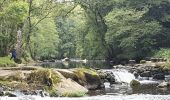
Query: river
121	91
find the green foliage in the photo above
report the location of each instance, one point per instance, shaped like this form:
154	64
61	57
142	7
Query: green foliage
45	40
12	17
92	29
162	53
6	62
126	32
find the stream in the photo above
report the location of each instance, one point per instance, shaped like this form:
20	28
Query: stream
119	91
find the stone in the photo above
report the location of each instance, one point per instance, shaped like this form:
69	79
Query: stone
1	91
67	87
146	74
163	85
135	84
66	59
132	62
68	74
159	76
93	81
10	94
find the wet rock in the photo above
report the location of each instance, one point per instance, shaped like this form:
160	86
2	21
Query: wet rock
66	59
163	85
132	62
135	74
159	76
42	93
1	91
135	84
10	94
146	74
93	81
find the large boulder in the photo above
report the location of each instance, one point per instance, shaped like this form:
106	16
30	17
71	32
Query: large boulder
89	78
70	88
68	74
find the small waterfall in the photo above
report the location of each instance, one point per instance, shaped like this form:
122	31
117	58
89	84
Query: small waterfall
122	75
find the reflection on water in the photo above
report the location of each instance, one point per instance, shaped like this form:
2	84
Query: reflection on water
75	64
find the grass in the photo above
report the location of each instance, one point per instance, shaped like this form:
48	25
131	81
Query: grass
75	94
6	62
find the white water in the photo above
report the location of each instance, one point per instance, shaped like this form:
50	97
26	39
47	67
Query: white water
122	75
105	97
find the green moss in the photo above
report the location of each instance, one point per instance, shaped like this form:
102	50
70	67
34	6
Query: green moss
42	76
52	91
80	73
75	94
6	62
135	84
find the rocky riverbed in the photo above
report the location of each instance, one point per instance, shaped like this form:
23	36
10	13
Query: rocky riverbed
76	82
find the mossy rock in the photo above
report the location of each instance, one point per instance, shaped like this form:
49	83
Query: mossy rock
68	74
88	78
135	84
44	77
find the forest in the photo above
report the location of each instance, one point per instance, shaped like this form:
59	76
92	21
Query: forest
87	29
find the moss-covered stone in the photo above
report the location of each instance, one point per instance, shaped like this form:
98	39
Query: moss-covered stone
135	84
88	78
43	77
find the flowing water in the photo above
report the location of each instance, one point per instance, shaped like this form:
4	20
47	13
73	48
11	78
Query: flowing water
119	91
